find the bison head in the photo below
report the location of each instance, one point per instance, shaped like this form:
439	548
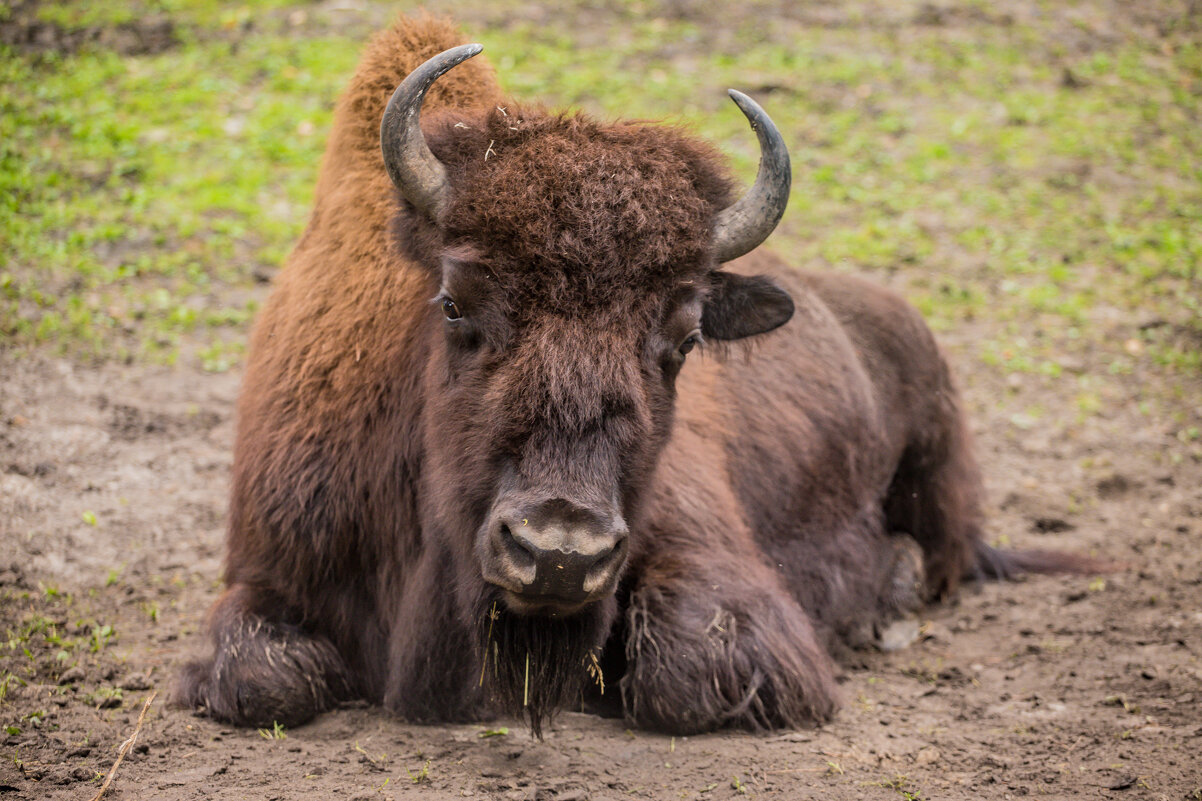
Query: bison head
572	267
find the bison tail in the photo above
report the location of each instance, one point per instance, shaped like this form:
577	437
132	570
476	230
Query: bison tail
995	563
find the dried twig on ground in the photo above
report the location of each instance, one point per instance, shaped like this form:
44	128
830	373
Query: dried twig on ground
124	749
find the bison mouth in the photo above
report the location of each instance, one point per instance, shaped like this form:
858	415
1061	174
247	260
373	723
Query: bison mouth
534	665
542	605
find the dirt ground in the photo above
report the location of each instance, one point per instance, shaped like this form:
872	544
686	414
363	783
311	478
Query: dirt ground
1059	687
113	484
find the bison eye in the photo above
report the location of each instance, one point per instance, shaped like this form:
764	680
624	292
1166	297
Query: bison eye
690	342
450	309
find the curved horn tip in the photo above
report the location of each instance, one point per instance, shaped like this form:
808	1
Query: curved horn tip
412	167
467	50
741	227
752	110
739	97
444	61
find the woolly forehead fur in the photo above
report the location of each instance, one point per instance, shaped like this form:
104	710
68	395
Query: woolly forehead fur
569	213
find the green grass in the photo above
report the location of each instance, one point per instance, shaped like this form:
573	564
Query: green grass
140	193
993	171
276	732
198	13
43	636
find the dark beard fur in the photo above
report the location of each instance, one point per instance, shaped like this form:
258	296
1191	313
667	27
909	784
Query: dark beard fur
535	665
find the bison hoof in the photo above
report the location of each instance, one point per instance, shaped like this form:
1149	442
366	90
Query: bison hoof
897	635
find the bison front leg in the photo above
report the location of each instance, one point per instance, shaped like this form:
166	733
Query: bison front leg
263	670
433	662
705	651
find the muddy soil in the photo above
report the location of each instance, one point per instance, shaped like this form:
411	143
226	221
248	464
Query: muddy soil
112	499
22	30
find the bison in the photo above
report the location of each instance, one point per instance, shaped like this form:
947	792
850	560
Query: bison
502	446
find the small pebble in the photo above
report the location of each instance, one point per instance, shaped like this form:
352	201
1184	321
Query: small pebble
135	681
926	756
72	675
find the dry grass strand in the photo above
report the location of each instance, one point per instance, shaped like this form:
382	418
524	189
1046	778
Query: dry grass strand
125	746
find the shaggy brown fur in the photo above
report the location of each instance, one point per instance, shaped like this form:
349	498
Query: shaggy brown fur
768	494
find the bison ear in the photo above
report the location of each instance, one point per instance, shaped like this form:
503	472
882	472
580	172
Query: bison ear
742	306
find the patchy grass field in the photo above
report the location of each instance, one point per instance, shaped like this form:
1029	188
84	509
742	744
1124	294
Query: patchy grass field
1028	173
1038	166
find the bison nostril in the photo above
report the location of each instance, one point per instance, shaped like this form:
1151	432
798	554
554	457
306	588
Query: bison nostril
604	557
515	549
600	569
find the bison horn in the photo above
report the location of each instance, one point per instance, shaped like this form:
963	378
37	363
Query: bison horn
743	225
412	167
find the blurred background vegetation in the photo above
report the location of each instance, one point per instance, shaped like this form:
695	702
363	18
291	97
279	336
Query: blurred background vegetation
1029	173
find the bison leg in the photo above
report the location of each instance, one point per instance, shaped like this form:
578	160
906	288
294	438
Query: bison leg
262	671
935	497
711	651
433	666
899	598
